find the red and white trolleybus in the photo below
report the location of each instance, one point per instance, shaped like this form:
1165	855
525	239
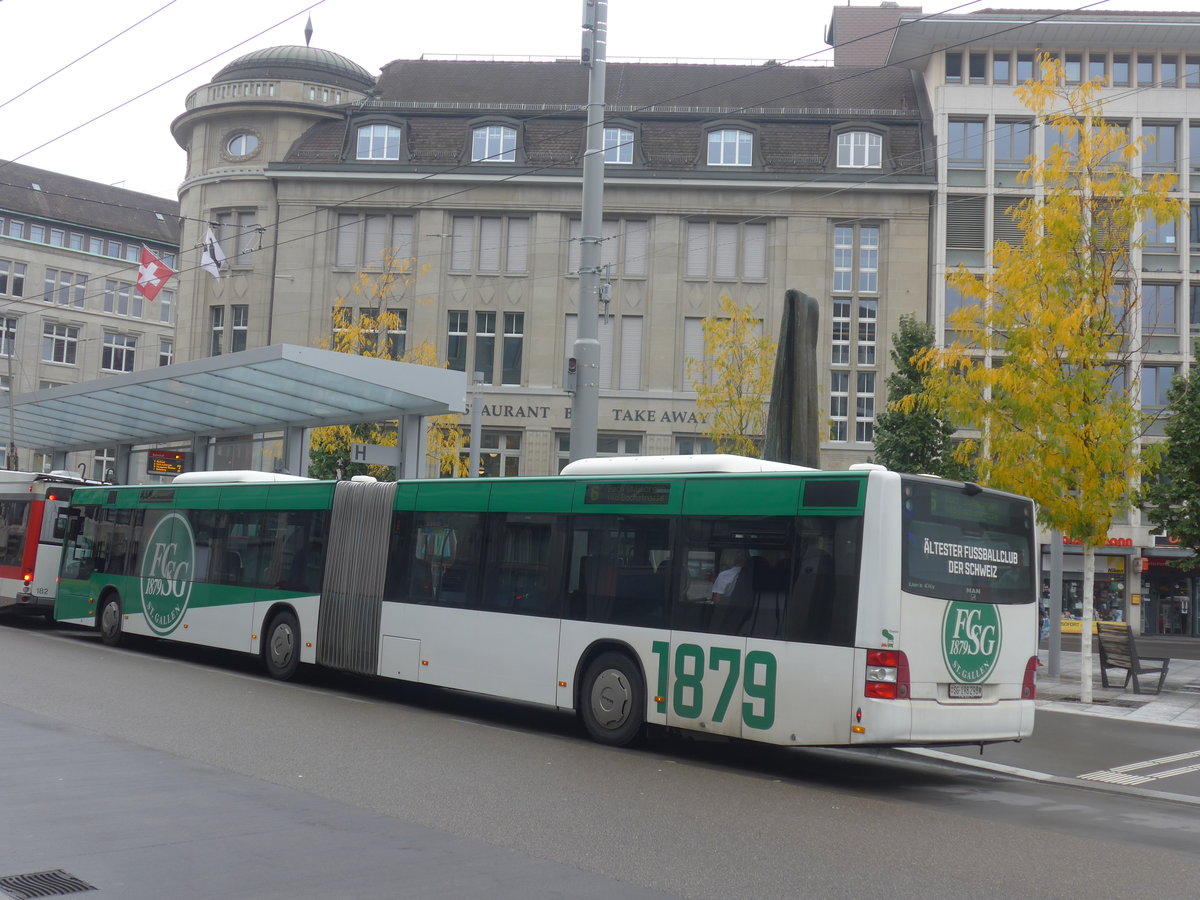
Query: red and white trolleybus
31	533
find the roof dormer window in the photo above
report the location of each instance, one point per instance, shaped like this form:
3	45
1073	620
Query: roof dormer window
859	150
379	141
494	144
730	147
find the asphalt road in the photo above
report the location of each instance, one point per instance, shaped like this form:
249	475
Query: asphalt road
168	771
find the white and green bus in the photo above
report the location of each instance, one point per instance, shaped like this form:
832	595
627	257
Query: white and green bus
867	607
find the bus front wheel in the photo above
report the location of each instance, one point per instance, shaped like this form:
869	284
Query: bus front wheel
281	650
109	620
613	701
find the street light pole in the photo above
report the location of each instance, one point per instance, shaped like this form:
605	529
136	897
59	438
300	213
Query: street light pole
10	456
586	401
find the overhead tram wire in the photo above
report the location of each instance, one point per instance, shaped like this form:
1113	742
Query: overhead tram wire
470	166
448	170
311	6
99	46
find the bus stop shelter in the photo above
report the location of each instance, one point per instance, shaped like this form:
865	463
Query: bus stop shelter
283	388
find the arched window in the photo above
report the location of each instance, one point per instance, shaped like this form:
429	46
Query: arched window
494	143
730	147
859	150
618	145
378	142
242	144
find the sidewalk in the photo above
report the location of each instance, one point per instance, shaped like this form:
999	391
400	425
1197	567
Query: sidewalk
1179	703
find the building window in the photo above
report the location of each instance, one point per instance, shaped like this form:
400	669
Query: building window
965	149
954	68
977	67
65	288
166	302
239	327
166	352
730	147
485	345
1160	236
1120	70
1156	382
864	408
120	299
694	445
868	318
606	445
378	142
1191	72
16	229
396	332
840	325
846	263
12	278
59	343
490	245
1145	70
242	144
216	330
1168	71
1158	309
8	335
494	143
236	232
1073	67
722	250
1098	67
618	146
117	355
859	150
456	340
373	242
1026	63
499	454
104	459
512	349
1001	68
623	250
1160	154
839	405
1013	144
621	349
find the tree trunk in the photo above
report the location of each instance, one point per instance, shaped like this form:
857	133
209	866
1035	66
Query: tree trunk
1085	627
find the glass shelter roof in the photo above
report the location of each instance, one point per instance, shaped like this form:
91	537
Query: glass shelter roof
266	389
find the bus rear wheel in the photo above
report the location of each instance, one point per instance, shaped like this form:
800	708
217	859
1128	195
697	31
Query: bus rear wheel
281	649
109	620
613	701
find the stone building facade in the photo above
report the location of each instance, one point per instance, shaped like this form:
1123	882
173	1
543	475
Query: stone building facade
737	181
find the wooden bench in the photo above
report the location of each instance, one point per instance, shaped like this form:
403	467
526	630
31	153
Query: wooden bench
1119	651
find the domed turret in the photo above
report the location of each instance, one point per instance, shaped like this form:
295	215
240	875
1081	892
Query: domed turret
299	63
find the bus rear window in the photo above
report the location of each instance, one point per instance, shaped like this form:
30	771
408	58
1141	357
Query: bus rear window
972	546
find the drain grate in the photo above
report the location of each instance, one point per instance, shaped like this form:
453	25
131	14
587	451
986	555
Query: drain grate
52	883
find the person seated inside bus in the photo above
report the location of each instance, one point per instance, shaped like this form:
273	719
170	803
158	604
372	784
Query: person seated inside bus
733	561
733	593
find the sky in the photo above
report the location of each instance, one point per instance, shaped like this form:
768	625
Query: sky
90	89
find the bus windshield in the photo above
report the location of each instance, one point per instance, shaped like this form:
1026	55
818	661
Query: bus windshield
963	545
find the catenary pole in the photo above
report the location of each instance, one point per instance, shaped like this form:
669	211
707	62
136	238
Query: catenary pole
585	402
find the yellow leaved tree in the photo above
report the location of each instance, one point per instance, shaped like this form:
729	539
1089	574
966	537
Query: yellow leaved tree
733	380
1043	362
372	321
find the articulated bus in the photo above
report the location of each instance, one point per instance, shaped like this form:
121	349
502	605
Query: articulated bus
31	533
792	606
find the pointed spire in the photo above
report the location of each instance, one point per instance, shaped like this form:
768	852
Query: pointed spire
308	32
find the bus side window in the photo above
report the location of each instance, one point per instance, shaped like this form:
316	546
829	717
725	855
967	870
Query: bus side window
823	604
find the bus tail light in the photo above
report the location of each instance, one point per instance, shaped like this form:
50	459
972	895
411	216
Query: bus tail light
887	675
27	576
1029	682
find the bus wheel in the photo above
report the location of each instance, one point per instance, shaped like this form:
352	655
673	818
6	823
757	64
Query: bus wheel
613	701
109	620
281	650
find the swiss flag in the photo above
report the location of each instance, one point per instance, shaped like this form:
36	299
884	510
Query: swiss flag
152	274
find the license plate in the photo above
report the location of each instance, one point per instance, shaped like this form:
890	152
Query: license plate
965	691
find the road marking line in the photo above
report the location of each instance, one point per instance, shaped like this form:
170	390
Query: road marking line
1121	774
